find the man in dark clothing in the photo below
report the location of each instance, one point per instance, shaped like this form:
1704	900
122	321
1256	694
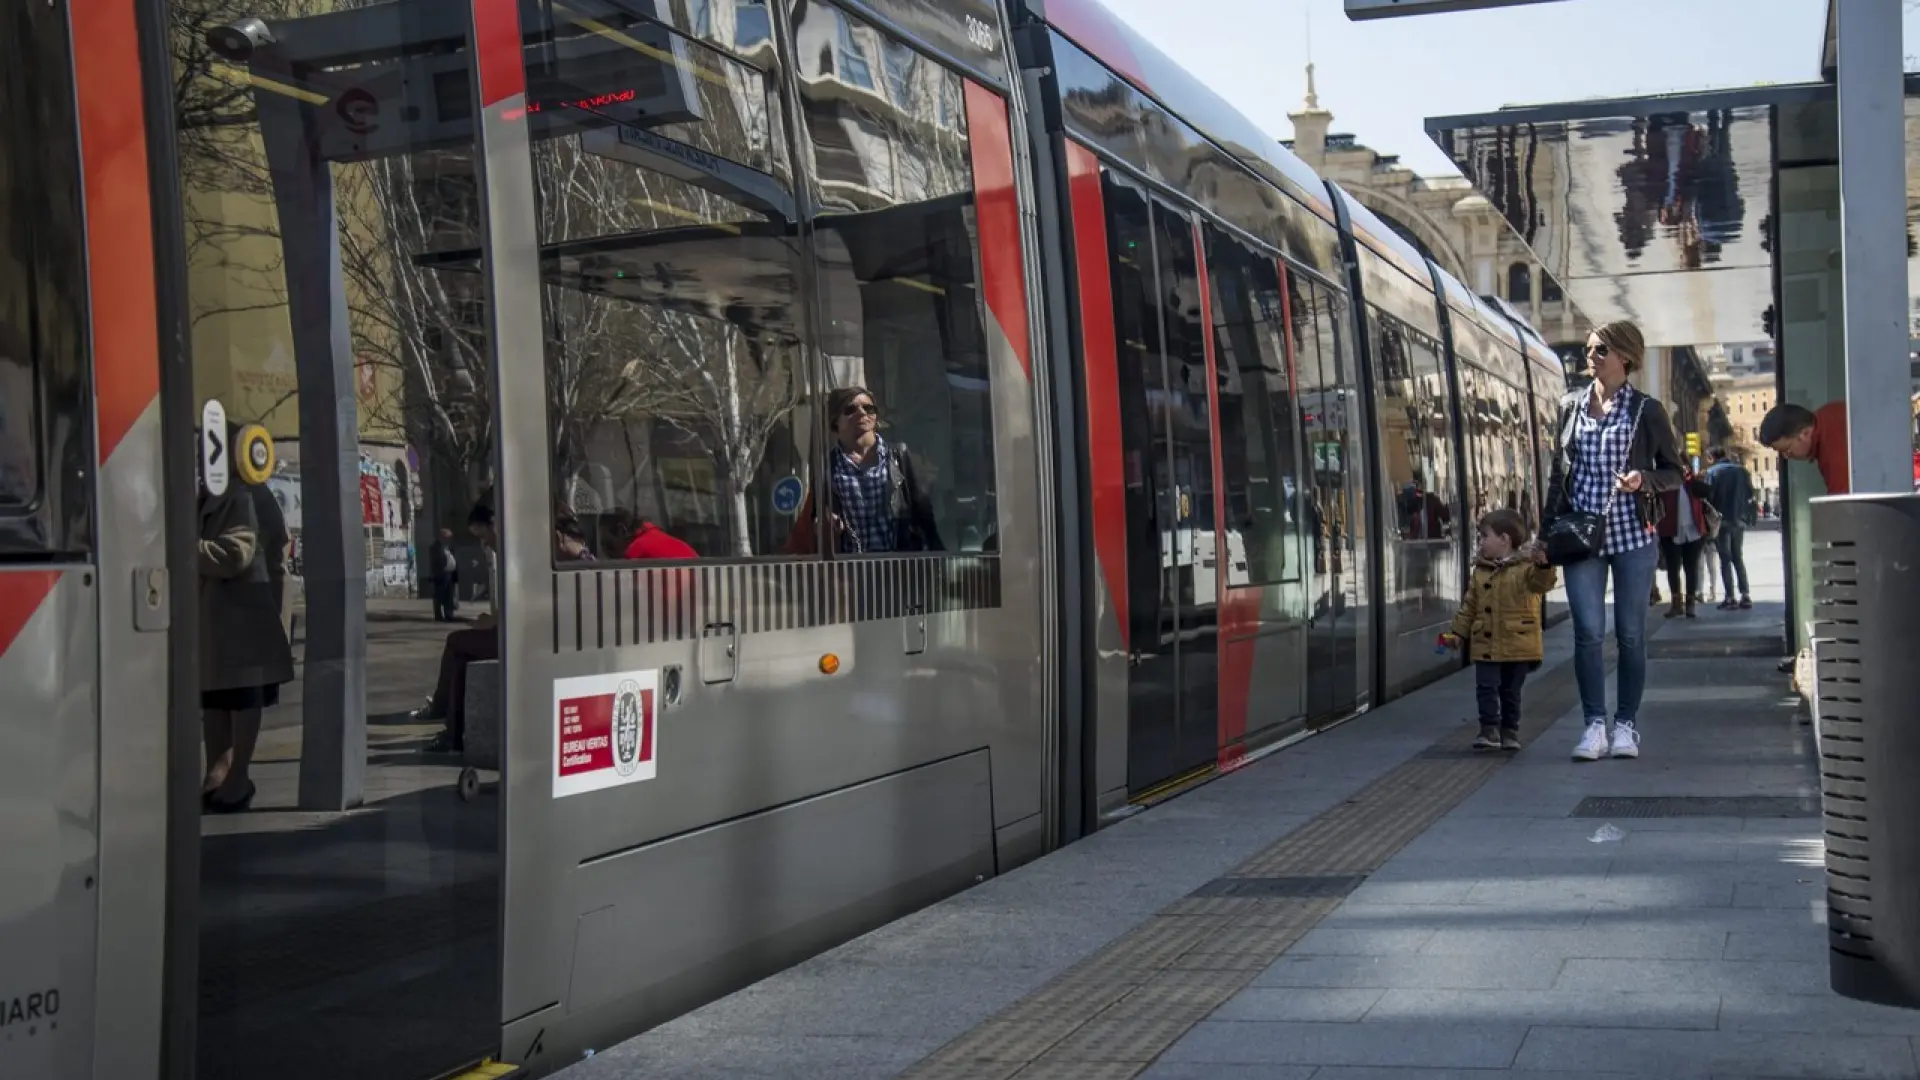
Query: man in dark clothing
445	572
1730	489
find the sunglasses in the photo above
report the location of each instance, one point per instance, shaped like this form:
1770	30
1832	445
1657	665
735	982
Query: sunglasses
1598	352
858	409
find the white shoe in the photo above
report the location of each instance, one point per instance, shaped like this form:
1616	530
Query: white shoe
1593	743
1626	741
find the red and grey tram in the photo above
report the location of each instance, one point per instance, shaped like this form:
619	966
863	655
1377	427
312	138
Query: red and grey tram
519	517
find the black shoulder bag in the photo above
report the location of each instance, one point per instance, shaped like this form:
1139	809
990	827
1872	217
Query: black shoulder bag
1578	534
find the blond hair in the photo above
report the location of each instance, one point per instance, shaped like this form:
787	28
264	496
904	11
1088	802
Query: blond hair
1624	338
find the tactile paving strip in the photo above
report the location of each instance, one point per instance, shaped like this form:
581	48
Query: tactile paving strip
1109	1016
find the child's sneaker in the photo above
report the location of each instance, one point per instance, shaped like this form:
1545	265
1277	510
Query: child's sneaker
1489	738
1509	740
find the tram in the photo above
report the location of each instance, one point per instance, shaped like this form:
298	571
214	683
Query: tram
519	517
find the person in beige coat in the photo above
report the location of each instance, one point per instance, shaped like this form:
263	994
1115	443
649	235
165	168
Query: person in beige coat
1498	624
244	655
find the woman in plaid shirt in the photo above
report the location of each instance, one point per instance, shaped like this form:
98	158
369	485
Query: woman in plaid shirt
1617	455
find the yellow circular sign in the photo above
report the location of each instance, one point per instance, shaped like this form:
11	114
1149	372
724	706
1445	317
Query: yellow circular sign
253	454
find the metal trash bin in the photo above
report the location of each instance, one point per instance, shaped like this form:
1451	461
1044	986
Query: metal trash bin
1866	596
481	734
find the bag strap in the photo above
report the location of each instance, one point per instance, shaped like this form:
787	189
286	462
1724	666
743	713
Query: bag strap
1632	433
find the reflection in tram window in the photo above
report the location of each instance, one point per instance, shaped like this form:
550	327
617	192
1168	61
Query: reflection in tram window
896	259
1417	430
675	373
1416	448
1256	411
19	439
348	922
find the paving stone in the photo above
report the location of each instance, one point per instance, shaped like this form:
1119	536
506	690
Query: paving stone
1213	1070
1296	1004
1567	1008
1653	892
1457	1046
1456	916
1681	1054
1363	1072
1413	971
1796	895
1325	941
1695	976
1807	943
1654	943
1822	1014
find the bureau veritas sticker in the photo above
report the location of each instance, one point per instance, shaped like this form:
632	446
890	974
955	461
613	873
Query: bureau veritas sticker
605	731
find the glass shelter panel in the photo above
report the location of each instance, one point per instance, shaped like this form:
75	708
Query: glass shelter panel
909	455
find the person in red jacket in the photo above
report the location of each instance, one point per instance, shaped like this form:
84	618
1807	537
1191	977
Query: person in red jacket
650	541
1819	436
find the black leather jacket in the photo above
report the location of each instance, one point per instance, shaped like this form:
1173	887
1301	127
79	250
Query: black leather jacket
1653	453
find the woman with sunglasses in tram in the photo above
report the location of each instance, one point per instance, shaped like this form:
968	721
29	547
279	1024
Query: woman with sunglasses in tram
1617	455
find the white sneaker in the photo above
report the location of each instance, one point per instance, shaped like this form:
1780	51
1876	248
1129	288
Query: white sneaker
1626	741
1593	743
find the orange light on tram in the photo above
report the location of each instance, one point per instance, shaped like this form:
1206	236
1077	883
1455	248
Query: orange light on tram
829	664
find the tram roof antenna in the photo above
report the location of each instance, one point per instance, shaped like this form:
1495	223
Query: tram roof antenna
237	40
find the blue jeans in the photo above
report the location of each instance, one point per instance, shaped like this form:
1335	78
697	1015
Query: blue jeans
1587	596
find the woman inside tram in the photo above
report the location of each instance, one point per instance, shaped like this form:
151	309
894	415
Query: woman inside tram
1617	456
244	655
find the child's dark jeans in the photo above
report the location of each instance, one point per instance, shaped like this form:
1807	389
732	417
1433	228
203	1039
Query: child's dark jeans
1499	684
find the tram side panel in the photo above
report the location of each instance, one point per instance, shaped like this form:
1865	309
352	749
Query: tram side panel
804	746
83	750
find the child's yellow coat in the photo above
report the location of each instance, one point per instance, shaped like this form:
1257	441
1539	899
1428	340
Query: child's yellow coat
1499	618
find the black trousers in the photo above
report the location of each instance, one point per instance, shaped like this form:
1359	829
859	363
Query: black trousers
1498	684
444	604
1682	559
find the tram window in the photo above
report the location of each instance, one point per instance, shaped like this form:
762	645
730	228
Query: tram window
676	378
46	439
1416	437
1256	408
897	264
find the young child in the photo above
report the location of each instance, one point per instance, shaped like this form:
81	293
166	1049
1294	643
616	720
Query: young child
1499	624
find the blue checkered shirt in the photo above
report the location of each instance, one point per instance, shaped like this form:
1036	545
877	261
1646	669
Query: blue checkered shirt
1600	449
861	494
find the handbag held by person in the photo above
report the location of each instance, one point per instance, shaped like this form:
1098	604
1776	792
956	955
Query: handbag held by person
1578	534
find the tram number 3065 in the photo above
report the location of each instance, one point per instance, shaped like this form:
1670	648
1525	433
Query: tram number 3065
979	34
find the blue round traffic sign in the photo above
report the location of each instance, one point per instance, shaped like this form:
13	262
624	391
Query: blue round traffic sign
787	495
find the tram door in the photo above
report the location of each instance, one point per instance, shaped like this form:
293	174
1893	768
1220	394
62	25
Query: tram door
349	886
1173	564
1337	632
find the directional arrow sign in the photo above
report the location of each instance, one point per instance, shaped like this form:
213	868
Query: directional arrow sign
213	447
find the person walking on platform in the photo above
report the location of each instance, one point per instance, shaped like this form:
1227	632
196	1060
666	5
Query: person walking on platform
1498	624
1683	533
1616	455
1730	488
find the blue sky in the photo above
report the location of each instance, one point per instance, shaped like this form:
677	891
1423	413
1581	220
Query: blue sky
1383	78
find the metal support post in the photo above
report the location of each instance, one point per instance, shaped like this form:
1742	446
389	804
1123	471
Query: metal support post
1873	186
333	718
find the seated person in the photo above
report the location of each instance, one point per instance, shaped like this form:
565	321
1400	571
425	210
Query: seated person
650	541
874	498
481	641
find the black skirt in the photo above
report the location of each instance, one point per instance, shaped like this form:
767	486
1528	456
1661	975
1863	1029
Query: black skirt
239	698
